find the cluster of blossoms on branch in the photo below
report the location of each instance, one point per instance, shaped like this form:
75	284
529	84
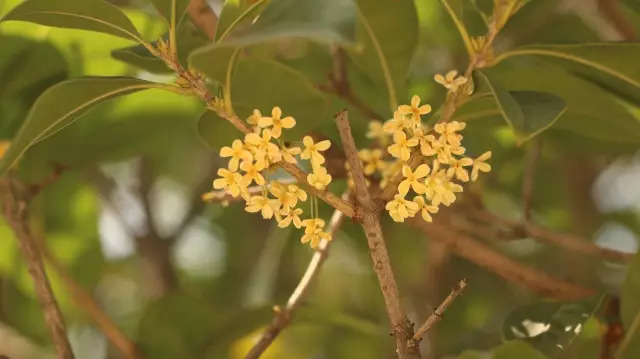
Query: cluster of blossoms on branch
252	160
442	164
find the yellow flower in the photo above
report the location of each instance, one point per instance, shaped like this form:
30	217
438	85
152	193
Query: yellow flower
398	123
283	197
230	181
425	208
390	171
456	168
312	224
372	160
297	191
479	164
400	208
291	216
425	142
440	189
312	150
253	120
448	132
260	204
445	153
313	232
289	153
451	80
252	172
412	179
276	122
237	152
377	132
267	152
400	148
319	178
415	110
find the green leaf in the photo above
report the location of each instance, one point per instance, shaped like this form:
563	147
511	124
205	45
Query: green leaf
262	84
455	9
234	13
386	44
630	311
21	64
189	38
549	327
516	349
527	112
62	104
171	9
613	64
471	354
92	15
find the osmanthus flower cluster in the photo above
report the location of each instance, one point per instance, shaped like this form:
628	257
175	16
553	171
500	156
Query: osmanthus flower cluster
443	166
252	159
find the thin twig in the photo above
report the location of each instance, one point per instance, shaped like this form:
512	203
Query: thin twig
513	271
402	330
567	241
528	181
203	16
437	314
14	209
283	316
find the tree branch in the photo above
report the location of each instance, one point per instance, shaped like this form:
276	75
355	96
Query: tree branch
402	330
610	9
283	316
203	16
436	315
513	271
14	209
567	241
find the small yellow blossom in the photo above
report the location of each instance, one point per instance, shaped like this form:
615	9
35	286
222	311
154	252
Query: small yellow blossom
445	153
377	132
372	160
289	153
230	181
398	123
291	216
319	179
390	171
237	152
400	148
312	150
440	189
412	179
425	142
261	204
451	80
283	197
400	208
415	110
253	120
424	208
266	151
312	224
276	123
252	173
479	164
298	192
448	132
313	232
456	168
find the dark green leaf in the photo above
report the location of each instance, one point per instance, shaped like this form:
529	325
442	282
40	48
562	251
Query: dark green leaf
549	327
527	112
62	104
21	64
516	349
385	45
630	310
234	13
93	15
614	65
171	9
189	38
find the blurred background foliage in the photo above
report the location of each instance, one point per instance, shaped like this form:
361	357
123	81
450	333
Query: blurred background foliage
186	279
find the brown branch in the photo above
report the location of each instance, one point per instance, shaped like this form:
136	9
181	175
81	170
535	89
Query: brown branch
436	315
86	302
610	10
567	241
283	317
203	16
527	183
14	209
513	271
401	327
